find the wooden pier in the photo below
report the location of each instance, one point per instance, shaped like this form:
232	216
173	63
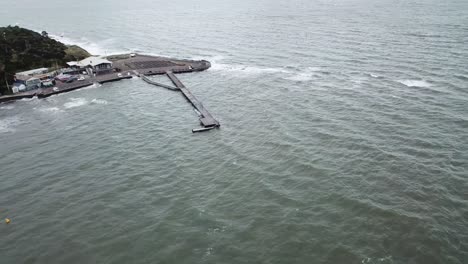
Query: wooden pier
206	119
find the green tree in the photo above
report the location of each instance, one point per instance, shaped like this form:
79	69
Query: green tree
23	49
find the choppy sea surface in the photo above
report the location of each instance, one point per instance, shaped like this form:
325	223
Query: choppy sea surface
344	137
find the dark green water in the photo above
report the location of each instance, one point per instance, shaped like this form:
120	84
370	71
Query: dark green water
344	137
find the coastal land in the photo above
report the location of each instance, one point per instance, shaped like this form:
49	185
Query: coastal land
124	66
33	64
22	49
67	68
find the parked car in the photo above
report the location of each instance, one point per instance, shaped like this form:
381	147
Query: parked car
81	78
63	77
71	79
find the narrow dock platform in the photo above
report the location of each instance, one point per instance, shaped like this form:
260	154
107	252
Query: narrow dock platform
206	119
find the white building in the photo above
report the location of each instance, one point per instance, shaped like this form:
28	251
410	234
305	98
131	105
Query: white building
97	64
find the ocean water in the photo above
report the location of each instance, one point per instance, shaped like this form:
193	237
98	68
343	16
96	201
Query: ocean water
343	139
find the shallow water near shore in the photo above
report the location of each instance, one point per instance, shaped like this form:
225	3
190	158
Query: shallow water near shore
343	139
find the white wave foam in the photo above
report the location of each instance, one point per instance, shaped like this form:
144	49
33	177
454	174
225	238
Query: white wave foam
7	107
28	99
147	53
99	101
75	102
212	59
305	75
387	259
49	109
8	124
103	47
91	47
300	77
286	72
415	83
96	48
216	65
245	69
94	85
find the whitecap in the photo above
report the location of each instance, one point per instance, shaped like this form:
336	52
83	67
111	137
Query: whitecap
8	124
75	102
300	77
84	43
94	48
7	107
94	85
49	109
208	251
99	101
367	260
415	83
245	69
304	75
28	99
212	59
148	53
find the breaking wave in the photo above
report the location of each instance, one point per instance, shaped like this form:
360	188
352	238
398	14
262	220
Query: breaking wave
305	75
300	75
75	102
415	83
7	124
95	48
28	99
99	101
245	69
49	109
7	107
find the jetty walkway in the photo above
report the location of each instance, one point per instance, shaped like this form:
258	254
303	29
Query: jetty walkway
206	119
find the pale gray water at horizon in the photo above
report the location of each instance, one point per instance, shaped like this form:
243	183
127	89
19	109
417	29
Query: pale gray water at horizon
344	137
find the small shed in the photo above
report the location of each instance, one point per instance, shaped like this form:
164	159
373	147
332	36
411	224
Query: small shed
33	72
29	83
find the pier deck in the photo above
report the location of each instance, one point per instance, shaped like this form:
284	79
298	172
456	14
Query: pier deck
206	118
